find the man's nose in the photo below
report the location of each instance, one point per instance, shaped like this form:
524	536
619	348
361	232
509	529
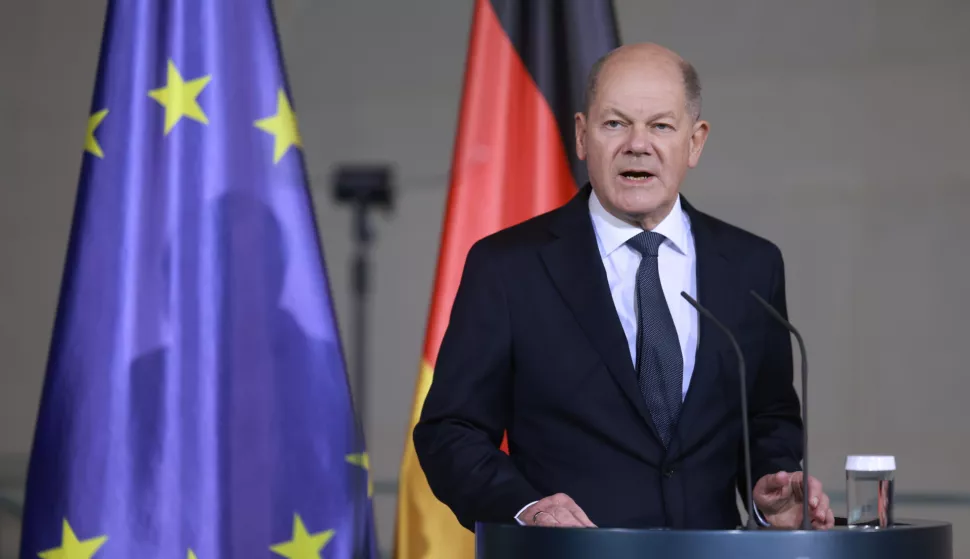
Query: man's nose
638	141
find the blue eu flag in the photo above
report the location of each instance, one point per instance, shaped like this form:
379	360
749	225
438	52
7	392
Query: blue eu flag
196	402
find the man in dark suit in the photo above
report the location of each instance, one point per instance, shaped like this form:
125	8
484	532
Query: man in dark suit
569	334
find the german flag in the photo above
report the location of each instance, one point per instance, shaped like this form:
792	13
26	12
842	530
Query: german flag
514	158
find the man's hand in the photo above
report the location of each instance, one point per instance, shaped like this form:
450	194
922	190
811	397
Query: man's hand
779	497
559	511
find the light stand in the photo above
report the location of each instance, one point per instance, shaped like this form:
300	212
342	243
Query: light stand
364	187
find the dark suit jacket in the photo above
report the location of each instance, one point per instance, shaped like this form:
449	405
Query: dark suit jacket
534	348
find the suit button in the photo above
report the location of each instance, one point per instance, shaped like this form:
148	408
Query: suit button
668	472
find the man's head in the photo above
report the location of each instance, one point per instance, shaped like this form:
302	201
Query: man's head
641	130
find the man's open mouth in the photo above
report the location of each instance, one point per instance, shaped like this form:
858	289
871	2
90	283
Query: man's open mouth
636	175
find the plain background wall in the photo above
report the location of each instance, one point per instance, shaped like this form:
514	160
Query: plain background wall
839	130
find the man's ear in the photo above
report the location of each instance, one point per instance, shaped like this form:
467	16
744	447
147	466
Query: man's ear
697	140
581	136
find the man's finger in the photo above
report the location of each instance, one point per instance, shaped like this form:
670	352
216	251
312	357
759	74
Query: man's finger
580	515
815	488
772	491
566	518
544	518
562	501
828	521
798	489
815	492
778	482
557	500
822	508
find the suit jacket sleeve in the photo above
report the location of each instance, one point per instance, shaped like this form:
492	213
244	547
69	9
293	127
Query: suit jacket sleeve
775	415
469	404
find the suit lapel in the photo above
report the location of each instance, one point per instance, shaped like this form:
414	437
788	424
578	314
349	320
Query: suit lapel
573	262
713	276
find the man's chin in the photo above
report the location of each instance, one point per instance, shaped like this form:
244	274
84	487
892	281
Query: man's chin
652	209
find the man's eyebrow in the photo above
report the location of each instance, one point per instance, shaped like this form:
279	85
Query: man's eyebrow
664	114
617	112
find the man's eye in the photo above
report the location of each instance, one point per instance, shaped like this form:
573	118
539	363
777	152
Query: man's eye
663	126
612	123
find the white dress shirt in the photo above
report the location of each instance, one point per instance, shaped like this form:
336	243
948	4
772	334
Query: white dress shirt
677	263
677	266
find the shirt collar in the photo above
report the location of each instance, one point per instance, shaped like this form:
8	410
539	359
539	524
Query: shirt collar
612	232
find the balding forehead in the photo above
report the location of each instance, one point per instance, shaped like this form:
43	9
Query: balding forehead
650	55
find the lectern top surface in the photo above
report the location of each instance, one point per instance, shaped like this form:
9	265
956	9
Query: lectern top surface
909	538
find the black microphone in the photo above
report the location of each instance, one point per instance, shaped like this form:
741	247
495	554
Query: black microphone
752	524
806	521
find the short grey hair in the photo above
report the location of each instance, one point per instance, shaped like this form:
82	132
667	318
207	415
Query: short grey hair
692	85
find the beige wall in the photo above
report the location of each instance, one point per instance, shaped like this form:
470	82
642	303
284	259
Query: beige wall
839	131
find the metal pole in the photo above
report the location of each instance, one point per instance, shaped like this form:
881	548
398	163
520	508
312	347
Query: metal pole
361	281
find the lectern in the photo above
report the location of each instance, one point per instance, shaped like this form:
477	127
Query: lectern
908	539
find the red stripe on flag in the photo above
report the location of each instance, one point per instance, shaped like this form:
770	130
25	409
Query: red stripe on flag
509	163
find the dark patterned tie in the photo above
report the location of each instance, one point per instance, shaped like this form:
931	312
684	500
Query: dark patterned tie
660	365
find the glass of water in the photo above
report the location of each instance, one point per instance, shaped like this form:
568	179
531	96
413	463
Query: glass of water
869	484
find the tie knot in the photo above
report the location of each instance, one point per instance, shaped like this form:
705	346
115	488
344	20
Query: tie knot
647	243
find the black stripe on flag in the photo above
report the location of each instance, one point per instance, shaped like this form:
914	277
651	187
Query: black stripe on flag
559	40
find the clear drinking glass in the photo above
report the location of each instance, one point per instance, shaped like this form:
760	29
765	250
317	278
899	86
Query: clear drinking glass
869	485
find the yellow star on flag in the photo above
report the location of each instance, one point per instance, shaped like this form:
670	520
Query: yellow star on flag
282	126
71	547
90	142
192	554
303	545
363	460
179	97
